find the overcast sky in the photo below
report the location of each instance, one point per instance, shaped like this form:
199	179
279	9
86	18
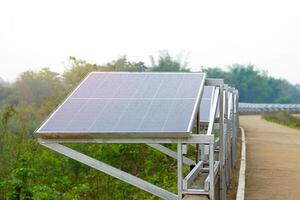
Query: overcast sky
36	34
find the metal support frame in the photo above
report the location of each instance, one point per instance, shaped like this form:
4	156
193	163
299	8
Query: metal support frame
192	139
231	134
195	191
124	176
211	124
192	175
227	138
207	180
225	142
210	148
222	148
211	172
119	174
234	128
179	170
171	153
197	147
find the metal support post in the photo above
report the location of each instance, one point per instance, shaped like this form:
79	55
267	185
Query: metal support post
222	148
179	170
211	172
197	149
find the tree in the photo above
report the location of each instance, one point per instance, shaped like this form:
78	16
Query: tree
8	112
166	63
36	87
78	69
122	64
256	86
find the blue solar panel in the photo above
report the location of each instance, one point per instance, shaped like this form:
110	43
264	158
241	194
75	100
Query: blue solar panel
116	104
206	103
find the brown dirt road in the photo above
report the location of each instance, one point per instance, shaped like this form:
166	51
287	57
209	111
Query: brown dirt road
273	160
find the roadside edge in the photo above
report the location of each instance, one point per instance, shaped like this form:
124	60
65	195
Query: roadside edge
242	179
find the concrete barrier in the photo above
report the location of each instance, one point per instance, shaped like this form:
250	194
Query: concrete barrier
242	179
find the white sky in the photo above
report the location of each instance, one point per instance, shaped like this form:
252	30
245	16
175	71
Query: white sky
36	34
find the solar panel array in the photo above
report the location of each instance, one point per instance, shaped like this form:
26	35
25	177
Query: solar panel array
123	102
257	108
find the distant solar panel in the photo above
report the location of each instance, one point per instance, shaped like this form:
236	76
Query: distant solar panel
206	103
128	104
230	104
235	99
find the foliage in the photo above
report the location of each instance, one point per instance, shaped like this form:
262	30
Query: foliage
30	171
165	63
80	68
256	86
36	87
283	118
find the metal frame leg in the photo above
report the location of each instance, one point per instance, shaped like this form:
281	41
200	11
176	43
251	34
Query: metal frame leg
222	148
211	173
179	170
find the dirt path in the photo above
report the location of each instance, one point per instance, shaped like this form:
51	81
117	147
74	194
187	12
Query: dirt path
273	160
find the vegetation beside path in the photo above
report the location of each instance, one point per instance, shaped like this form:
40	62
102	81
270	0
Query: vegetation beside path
30	171
284	118
272	153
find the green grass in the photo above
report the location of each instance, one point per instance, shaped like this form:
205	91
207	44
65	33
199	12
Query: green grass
284	118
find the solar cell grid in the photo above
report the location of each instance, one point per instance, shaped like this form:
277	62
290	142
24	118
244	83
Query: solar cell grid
121	102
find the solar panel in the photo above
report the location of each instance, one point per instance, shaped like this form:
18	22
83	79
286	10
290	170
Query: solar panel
206	103
230	106
235	102
128	104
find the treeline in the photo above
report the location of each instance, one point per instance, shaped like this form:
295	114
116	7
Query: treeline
29	171
256	86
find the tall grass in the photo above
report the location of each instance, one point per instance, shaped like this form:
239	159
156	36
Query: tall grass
284	118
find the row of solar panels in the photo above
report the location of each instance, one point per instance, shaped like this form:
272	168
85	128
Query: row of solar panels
151	108
255	108
208	99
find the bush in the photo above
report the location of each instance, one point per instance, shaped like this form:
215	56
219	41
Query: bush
284	118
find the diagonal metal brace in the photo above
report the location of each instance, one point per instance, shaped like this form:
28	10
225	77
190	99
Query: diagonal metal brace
112	171
171	153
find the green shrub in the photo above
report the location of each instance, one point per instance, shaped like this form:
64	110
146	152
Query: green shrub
284	118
